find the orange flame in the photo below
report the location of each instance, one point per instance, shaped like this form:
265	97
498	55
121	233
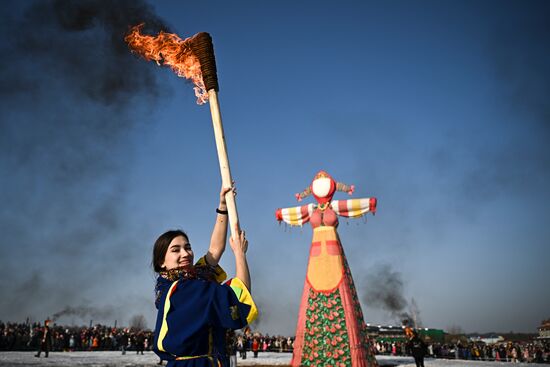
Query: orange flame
170	50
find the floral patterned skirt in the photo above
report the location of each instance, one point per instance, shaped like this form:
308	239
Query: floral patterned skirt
331	331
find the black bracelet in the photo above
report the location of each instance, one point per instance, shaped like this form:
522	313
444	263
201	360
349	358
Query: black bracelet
224	212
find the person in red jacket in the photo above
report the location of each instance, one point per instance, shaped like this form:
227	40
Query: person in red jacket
255	347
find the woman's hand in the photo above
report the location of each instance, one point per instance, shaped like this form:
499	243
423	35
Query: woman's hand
224	191
239	245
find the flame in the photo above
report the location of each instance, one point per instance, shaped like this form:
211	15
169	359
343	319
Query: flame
170	50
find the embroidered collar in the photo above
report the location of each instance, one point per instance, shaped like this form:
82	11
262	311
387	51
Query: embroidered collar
204	272
201	271
179	273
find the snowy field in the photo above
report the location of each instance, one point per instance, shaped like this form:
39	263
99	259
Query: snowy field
149	359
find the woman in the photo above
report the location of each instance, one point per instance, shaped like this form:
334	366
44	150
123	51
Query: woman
194	309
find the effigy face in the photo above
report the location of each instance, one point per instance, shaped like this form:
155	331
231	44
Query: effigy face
321	187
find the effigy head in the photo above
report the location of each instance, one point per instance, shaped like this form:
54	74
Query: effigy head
323	188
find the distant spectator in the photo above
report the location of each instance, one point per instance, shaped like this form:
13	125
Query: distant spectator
45	340
255	347
418	349
231	345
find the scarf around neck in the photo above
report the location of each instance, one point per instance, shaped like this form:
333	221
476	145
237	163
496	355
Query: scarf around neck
196	272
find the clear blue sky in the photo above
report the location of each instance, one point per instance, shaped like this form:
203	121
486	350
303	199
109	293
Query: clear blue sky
439	109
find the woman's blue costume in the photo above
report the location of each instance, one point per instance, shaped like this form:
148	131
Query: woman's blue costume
194	313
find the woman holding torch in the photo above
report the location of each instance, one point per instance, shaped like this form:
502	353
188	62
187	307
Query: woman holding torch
194	309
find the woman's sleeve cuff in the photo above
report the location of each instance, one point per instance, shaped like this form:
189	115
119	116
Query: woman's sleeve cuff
244	296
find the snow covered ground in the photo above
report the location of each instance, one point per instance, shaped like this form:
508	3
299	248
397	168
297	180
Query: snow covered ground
149	359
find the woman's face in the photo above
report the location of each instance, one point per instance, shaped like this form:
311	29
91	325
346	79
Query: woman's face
179	254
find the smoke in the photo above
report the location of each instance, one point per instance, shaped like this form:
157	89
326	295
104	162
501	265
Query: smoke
85	312
138	322
384	290
71	97
515	157
520	58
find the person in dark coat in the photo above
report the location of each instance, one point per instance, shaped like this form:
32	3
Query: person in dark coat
231	347
123	342
417	349
140	343
45	339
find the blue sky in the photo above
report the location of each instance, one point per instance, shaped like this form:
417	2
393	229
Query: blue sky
439	109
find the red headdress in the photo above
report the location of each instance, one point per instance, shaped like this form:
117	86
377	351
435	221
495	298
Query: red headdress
334	186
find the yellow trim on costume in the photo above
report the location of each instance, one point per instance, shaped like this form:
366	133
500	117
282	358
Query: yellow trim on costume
164	327
186	358
245	297
192	357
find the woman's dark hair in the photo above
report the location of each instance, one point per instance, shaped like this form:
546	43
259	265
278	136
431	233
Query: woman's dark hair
161	246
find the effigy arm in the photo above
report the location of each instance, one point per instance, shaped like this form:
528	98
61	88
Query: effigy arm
295	216
353	208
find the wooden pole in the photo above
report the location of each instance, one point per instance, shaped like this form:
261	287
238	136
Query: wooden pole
225	170
202	47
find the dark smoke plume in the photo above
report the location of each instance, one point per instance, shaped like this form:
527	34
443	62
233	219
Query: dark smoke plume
521	60
71	94
138	322
515	159
85	312
384	290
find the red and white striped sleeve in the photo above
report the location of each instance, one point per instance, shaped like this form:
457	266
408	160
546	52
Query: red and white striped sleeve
295	216
353	208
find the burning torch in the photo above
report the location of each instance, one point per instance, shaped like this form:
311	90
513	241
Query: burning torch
192	58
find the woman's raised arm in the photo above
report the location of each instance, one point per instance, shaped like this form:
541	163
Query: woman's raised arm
219	233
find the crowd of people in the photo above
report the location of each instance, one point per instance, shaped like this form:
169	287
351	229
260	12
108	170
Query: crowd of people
242	343
534	351
29	336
